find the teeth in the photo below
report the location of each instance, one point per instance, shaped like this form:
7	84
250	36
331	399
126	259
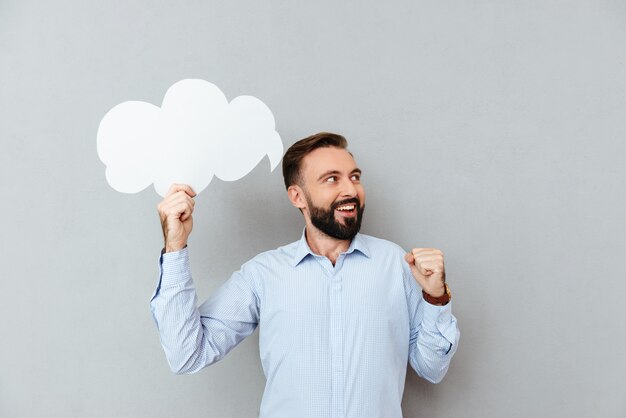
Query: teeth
349	207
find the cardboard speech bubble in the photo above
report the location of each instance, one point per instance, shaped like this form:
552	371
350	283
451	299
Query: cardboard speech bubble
195	134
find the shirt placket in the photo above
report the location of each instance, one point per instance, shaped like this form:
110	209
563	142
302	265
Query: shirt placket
336	341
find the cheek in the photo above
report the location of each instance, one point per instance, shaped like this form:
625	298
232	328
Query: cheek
323	198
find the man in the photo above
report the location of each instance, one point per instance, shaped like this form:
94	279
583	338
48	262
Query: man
340	313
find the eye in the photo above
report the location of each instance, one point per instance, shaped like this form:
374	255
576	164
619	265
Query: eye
331	179
355	177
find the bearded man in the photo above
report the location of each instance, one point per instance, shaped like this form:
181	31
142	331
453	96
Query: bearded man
341	314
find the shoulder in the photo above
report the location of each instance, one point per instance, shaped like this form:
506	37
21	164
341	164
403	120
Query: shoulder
380	246
273	258
385	252
390	255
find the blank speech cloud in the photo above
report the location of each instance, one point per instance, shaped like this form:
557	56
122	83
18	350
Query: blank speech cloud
195	134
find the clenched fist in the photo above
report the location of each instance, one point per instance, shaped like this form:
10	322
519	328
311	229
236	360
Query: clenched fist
427	268
175	212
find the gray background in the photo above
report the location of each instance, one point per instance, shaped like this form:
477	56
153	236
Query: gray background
491	129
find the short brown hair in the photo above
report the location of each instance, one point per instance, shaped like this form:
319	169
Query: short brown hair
292	160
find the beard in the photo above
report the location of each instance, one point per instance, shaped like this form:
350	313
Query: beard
324	219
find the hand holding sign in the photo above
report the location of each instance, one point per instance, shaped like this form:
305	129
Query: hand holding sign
176	212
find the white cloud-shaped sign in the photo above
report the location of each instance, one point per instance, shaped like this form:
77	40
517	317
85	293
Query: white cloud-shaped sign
195	134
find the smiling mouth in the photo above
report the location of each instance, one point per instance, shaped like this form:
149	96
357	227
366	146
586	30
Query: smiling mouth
347	209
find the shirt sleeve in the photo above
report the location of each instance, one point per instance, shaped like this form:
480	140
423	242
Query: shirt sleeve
194	336
434	333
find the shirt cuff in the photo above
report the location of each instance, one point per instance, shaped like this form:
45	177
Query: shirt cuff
439	319
175	267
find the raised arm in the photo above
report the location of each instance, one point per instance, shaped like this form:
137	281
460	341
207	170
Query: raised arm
434	331
194	337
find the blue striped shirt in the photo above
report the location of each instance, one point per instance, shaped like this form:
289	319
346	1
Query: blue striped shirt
334	340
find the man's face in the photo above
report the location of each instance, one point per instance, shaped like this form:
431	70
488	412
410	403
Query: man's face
332	188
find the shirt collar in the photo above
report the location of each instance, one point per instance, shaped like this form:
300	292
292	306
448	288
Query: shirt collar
302	250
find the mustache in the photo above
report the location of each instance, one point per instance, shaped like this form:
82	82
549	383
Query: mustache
354	200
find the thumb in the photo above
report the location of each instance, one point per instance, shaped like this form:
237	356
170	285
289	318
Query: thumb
417	271
410	259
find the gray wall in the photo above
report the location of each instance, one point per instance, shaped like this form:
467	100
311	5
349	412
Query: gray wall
491	129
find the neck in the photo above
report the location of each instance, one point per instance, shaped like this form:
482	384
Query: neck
322	244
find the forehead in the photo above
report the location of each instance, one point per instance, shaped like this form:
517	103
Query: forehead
326	159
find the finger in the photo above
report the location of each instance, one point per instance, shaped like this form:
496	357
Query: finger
178	210
413	263
428	257
174	188
426	251
182	196
429	260
420	271
166	206
432	266
186	215
177	199
189	210
420	268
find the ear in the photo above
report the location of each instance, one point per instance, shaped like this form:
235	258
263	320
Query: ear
296	196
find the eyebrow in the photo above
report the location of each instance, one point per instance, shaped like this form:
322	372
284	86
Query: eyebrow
336	172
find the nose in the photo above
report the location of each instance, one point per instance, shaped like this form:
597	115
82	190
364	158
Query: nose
348	189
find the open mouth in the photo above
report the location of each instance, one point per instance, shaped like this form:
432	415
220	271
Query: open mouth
347	210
